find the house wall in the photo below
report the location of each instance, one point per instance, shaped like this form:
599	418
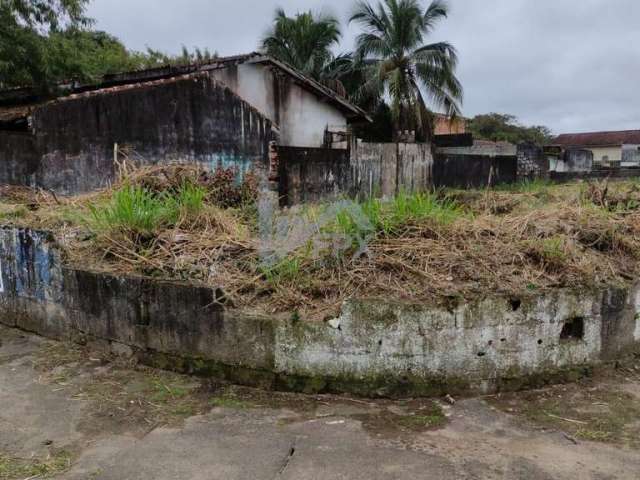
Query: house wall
631	155
446	126
614	153
186	119
301	116
573	160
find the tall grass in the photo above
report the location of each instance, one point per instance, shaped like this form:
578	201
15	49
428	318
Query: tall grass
389	216
135	209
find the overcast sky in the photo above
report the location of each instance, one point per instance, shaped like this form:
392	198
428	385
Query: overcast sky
573	65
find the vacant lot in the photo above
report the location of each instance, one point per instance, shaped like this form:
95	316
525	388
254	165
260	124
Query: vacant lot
181	223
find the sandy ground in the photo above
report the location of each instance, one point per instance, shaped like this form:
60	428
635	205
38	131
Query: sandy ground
66	413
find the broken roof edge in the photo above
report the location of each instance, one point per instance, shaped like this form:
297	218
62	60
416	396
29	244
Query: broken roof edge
612	138
353	112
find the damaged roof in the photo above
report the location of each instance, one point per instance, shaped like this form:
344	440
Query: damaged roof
598	139
110	81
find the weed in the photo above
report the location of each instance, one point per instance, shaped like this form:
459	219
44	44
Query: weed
422	421
190	199
142	212
229	401
18	468
13	212
163	393
131	208
390	216
285	270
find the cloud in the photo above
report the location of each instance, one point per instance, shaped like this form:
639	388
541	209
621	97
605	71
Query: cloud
572	65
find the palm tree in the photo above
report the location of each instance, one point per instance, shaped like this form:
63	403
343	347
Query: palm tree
305	42
398	64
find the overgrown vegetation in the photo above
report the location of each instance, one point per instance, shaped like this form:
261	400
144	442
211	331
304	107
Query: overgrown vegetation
180	222
43	42
17	468
504	127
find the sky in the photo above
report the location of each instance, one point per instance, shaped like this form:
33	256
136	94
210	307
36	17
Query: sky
572	65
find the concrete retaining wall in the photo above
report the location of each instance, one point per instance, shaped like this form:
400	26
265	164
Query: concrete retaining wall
373	348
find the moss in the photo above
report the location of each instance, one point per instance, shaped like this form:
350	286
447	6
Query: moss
230	401
515	380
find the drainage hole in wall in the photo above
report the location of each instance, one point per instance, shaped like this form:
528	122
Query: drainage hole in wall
481	354
490	342
515	304
503	340
379	343
540	342
573	329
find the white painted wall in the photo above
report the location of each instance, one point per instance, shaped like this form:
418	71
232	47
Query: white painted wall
614	154
301	116
304	119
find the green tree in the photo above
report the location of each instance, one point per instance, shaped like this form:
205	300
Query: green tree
156	58
24	25
505	127
85	55
399	65
305	42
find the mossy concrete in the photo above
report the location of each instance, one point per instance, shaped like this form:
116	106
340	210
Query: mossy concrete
374	347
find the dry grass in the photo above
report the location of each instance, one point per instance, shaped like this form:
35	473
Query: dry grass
525	239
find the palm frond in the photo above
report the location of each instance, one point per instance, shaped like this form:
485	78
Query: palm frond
436	11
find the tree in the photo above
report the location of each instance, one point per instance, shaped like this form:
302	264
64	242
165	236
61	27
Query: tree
305	42
24	25
45	42
504	127
85	56
398	64
156	58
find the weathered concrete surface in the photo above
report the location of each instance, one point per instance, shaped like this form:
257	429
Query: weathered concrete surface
51	403
18	158
375	347
385	169
188	119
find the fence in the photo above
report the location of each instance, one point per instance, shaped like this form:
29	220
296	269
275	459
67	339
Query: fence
362	171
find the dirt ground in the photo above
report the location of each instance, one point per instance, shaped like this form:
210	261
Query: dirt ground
68	413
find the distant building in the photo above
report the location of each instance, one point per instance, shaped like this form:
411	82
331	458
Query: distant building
445	125
616	149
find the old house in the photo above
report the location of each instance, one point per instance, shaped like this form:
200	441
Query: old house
224	113
615	149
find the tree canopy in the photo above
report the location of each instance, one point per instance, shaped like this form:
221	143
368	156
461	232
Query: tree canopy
505	127
43	42
305	41
398	64
24	27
